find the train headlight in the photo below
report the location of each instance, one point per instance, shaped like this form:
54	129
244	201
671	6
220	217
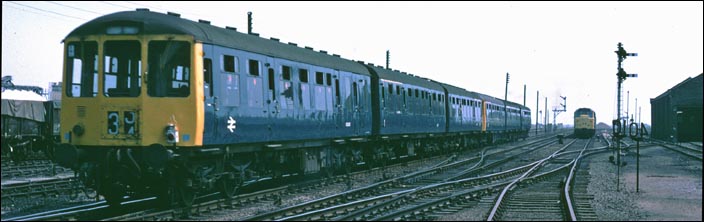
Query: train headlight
78	130
171	134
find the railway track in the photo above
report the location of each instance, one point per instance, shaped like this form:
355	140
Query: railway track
202	209
31	169
61	185
90	211
426	185
581	199
688	151
206	203
540	197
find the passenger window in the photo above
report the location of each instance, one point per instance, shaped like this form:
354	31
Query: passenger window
272	86
337	91
82	69
383	97
319	78
303	75
328	78
254	67
286	72
169	69
208	76
123	65
354	93
229	63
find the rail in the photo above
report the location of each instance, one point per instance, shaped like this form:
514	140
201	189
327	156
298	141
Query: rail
494	209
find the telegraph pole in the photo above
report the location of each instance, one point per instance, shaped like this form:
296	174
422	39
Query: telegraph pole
634	111
545	121
537	117
524	94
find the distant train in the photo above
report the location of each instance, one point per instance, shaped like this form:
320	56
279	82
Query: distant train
159	105
29	128
584	123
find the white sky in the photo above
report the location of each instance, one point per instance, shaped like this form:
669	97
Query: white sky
558	48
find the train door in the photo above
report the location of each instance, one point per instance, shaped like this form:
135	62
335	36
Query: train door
362	108
211	105
337	110
353	110
255	87
286	107
272	107
346	108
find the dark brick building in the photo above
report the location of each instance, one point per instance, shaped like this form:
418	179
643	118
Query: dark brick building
676	114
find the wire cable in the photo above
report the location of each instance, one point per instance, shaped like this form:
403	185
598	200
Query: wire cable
49	11
75	8
116	5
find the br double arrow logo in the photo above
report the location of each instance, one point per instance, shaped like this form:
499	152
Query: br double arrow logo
231	124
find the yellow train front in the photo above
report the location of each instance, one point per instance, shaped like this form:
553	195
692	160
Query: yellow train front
131	91
584	122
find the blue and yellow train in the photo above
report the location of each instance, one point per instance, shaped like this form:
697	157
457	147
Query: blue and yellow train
159	105
584	123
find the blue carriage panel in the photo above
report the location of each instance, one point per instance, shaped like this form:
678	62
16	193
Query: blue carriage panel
465	114
405	103
260	103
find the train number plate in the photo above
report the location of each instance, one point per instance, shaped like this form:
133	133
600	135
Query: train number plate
128	122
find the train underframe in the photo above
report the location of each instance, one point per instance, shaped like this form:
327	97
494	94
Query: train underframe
27	147
584	132
177	175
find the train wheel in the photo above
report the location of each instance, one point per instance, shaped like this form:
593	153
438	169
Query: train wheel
164	195
185	195
113	193
228	187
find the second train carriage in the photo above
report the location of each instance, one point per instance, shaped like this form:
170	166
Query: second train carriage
159	105
29	127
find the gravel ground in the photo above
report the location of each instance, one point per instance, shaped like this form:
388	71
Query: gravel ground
26	206
670	187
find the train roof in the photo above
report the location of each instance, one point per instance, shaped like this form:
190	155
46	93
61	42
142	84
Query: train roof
153	23
397	76
463	92
498	101
459	91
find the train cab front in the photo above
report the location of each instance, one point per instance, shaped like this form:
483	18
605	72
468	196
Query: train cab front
129	103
